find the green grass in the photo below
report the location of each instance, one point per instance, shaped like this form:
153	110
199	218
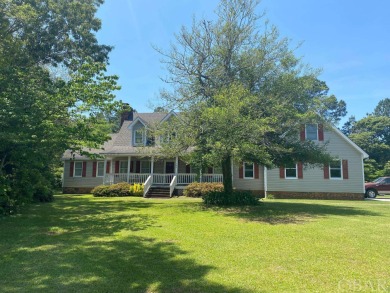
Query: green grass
86	244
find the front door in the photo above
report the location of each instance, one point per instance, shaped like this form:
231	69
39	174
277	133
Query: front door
169	169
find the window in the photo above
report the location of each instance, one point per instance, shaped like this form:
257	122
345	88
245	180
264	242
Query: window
311	131
78	169
335	170
145	167
100	169
123	167
139	137
291	171
249	171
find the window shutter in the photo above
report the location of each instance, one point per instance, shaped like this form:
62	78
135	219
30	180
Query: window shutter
282	174
188	169
116	167
84	174
326	171
256	171
138	167
320	132
302	134
71	169
94	169
241	171
108	165
345	169
300	170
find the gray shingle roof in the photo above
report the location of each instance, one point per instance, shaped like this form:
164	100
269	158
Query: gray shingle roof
120	143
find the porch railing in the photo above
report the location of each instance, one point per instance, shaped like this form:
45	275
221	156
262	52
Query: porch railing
212	178
187	178
161	179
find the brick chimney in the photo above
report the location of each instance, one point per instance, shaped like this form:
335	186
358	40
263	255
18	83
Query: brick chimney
127	113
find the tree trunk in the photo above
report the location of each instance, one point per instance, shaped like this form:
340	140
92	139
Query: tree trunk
227	174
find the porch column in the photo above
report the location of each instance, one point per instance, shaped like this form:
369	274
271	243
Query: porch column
176	165
152	166
128	168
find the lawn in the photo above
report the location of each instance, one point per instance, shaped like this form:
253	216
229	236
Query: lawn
86	244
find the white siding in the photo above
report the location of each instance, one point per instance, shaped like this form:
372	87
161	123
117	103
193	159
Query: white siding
313	178
248	184
87	181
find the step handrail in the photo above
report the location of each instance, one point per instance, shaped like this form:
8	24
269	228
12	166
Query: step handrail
172	185
148	183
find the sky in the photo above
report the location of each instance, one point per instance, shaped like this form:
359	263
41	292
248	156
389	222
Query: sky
349	40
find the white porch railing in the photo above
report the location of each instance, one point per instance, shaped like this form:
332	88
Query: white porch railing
212	178
138	178
148	184
172	186
186	178
163	179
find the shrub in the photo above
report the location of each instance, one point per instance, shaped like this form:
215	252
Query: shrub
42	193
197	189
225	199
101	190
118	190
137	189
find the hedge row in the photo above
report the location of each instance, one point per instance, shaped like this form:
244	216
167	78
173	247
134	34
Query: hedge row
118	190
196	189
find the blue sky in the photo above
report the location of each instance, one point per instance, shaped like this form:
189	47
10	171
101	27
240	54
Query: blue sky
348	39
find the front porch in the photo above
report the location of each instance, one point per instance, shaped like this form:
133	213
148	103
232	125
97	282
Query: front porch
165	173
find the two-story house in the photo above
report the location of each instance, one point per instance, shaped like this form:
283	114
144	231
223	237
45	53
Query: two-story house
127	159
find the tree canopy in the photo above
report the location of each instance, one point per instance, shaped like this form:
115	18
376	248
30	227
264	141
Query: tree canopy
41	113
242	93
372	133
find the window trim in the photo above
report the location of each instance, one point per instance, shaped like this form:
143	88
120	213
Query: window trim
341	170
150	166
97	168
74	169
244	170
120	167
142	131
317	138
289	177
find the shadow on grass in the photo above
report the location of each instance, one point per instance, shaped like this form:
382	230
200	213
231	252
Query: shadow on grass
279	212
83	245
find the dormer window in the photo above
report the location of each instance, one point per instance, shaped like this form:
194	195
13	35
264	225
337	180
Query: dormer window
139	137
311	131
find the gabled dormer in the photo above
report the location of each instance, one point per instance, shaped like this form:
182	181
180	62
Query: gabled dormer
138	130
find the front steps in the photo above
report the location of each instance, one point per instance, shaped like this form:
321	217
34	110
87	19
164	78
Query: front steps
158	192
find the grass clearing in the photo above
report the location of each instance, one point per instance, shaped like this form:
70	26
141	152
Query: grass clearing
86	244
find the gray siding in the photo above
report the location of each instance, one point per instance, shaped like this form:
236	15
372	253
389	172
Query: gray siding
87	181
248	184
313	178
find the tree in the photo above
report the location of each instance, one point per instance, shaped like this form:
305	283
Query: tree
372	133
242	93
42	115
383	108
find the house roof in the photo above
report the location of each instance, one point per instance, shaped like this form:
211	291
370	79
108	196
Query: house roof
120	143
